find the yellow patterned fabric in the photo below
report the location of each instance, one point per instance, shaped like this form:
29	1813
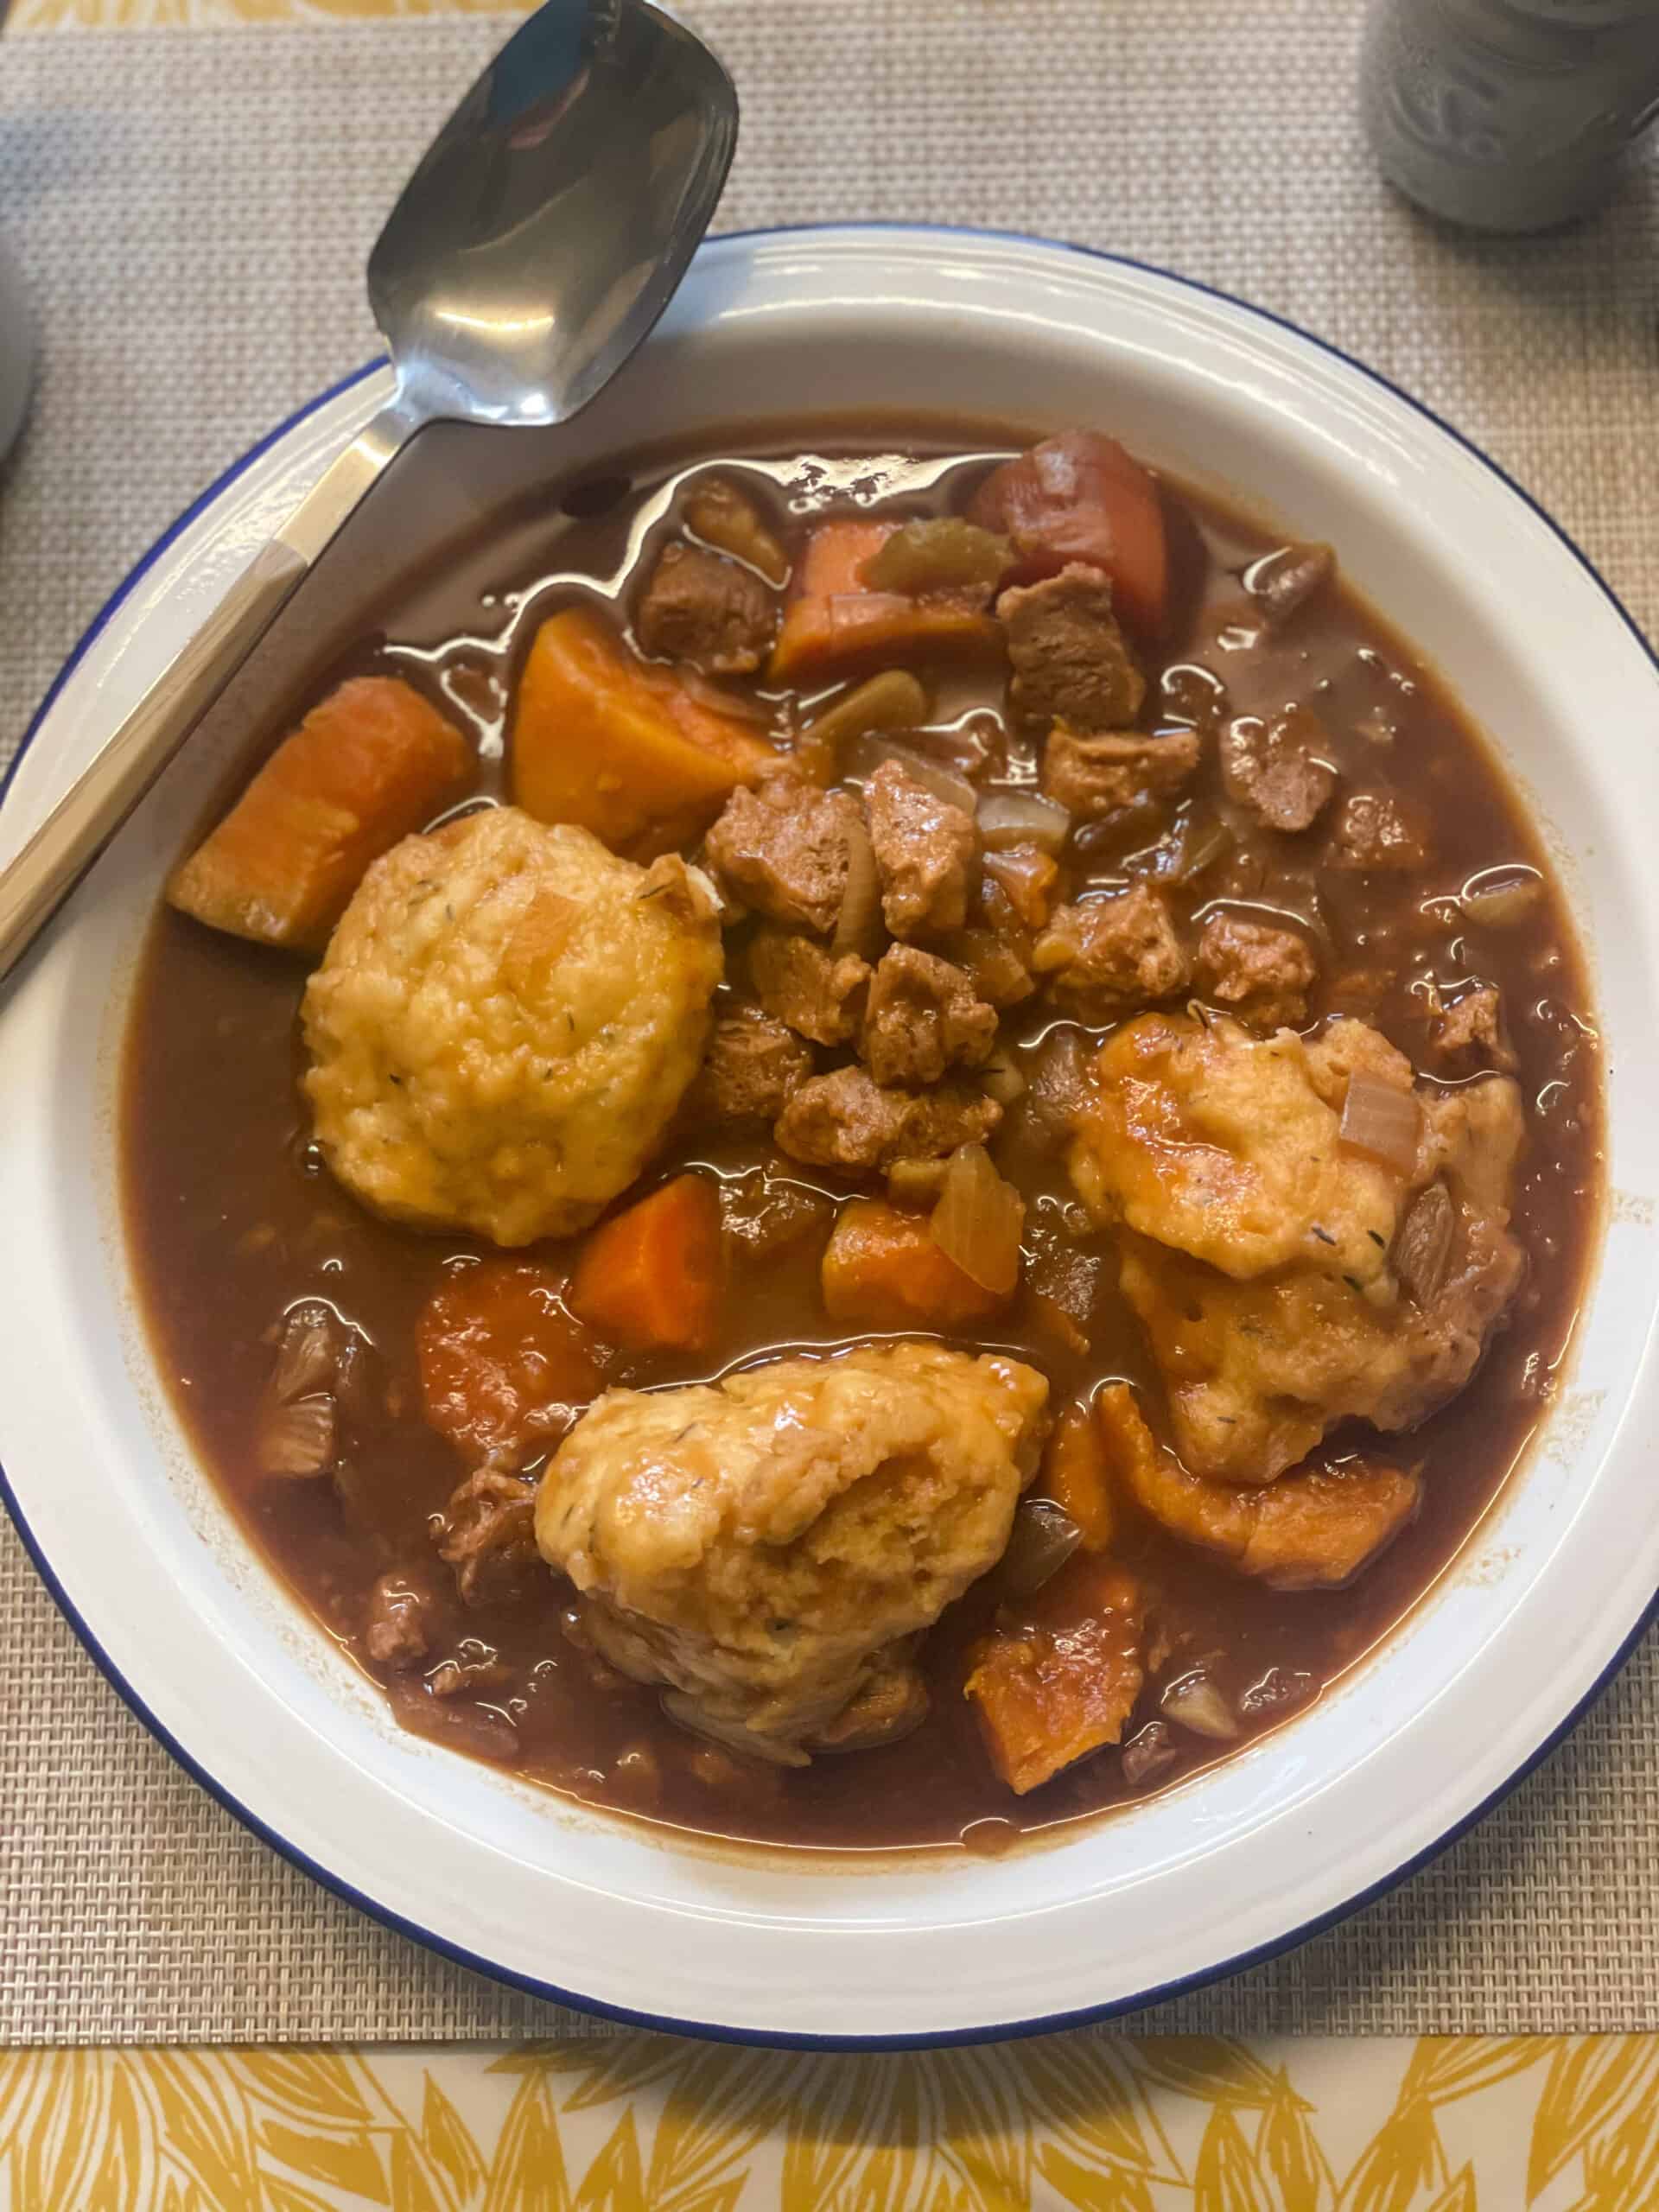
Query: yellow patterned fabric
1449	2124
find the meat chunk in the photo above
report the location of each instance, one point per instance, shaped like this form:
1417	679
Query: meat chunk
1099	776
1106	955
1377	832
819	993
1070	662
1470	1032
1282	581
701	608
505	1024
924	1016
925	851
847	1120
1314	1530
488	1535
754	1065
1262	974
765	1216
767	1546
395	1630
1263	1257
1279	769
784	851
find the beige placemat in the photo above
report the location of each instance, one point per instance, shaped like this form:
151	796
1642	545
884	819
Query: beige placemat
193	206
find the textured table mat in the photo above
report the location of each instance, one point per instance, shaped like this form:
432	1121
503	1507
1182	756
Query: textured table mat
193	206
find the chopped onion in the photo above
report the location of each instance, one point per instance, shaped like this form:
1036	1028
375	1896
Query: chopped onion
296	1436
1043	1538
978	1220
307	1358
1194	1702
1010	818
1499	896
893	699
726	518
1423	1246
1202	844
720	698
858	926
1002	1079
1149	1752
1381	1121
732	1735
1059	1085
870	753
915	1182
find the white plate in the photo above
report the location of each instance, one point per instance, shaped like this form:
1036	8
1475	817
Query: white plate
1296	1828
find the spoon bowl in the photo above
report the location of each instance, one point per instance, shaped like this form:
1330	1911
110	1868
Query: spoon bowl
543	233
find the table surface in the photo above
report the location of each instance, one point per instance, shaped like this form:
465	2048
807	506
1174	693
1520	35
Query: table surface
191	186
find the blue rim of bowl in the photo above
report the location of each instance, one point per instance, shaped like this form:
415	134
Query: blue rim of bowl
1048	2024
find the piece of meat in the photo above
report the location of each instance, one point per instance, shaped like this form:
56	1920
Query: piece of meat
753	1063
1469	1032
769	1547
1262	974
925	851
1266	1261
1025	878
488	1535
701	608
785	850
922	1017
1099	776
1312	1530
1107	956
1377	832
817	993
847	1120
1284	581
1070	662
765	1216
1280	770
398	1629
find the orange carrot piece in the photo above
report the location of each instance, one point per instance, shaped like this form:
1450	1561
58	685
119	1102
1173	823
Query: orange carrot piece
505	1365
624	748
819	635
835	553
651	1278
1076	1475
881	1270
1060	1682
370	764
833	619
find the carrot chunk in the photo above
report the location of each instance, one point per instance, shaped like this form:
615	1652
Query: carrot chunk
621	748
1080	497
651	1278
835	619
1061	1681
373	762
882	1270
1076	1477
505	1366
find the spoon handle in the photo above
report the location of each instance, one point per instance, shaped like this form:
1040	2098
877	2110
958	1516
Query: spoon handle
72	835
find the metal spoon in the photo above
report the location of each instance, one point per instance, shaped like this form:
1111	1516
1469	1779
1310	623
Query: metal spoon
532	249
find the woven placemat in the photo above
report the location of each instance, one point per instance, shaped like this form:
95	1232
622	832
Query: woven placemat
192	208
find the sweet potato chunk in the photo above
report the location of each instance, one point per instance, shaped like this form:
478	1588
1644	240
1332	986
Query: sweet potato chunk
625	749
883	1270
836	621
1076	1477
365	768
1061	1682
651	1278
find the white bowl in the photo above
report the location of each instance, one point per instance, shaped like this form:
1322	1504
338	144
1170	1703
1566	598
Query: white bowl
1296	1828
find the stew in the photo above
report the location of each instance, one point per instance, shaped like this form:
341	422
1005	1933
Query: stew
867	1145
